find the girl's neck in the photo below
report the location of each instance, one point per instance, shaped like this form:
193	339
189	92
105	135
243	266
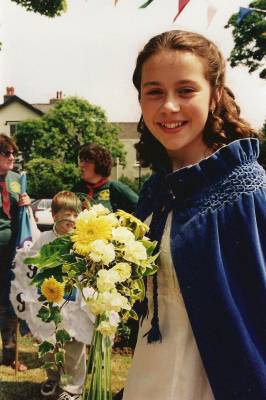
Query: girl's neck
179	162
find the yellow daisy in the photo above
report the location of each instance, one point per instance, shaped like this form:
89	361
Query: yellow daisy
87	231
53	290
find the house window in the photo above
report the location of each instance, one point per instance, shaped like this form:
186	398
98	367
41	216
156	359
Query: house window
12	128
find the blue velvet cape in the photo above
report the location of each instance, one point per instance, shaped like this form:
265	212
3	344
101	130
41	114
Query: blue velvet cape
218	245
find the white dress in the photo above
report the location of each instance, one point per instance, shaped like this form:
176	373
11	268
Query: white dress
171	370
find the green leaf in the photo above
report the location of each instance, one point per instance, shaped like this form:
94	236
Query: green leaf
60	357
62	336
44	314
150	270
45	348
48	365
137	291
52	254
47	273
56	315
149	246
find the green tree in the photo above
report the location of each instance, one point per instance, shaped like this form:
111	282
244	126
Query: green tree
59	133
49	8
52	176
250	39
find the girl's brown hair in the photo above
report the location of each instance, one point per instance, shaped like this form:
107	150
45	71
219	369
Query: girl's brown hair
223	124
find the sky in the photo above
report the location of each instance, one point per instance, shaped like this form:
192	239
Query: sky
91	51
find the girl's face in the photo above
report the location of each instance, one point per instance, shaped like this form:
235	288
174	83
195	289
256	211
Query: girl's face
175	100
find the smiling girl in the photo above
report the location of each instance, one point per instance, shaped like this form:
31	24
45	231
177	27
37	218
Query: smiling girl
206	205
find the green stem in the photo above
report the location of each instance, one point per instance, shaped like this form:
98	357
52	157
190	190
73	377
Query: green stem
90	365
98	367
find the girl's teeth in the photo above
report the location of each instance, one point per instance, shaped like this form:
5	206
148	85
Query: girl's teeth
172	125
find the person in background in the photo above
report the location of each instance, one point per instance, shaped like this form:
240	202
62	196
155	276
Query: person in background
10	201
95	164
65	208
204	337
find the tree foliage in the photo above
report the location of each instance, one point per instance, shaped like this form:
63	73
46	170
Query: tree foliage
59	133
45	177
49	8
250	39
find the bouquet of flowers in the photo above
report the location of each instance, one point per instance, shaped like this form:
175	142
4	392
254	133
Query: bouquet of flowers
106	257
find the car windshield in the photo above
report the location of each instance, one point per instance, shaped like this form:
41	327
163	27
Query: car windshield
45	203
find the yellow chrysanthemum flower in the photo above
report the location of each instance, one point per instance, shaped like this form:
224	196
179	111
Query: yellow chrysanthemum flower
53	290
87	231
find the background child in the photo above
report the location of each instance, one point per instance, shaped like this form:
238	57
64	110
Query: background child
65	208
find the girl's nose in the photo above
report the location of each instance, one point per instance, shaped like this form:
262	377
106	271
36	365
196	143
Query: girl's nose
171	104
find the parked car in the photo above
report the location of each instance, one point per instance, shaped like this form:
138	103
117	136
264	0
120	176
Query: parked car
42	213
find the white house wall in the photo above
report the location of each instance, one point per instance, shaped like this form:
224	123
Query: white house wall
14	112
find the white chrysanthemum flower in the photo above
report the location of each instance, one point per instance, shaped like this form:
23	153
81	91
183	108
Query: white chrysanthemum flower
108	301
114	318
135	252
102	252
106	280
114	301
107	329
123	270
96	306
88	292
99	209
109	326
114	221
122	235
87	215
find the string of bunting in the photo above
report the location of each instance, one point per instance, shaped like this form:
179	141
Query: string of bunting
243	11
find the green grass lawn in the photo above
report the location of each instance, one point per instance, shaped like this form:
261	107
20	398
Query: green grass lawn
26	385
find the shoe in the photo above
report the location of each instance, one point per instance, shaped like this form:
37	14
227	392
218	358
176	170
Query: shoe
119	395
68	396
48	388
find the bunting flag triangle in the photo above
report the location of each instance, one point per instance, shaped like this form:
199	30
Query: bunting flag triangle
243	13
211	11
181	5
146	4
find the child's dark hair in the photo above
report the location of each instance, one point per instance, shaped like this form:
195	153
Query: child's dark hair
101	157
223	124
66	201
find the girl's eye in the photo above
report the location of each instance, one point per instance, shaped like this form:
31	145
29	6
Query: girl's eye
154	92
186	90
